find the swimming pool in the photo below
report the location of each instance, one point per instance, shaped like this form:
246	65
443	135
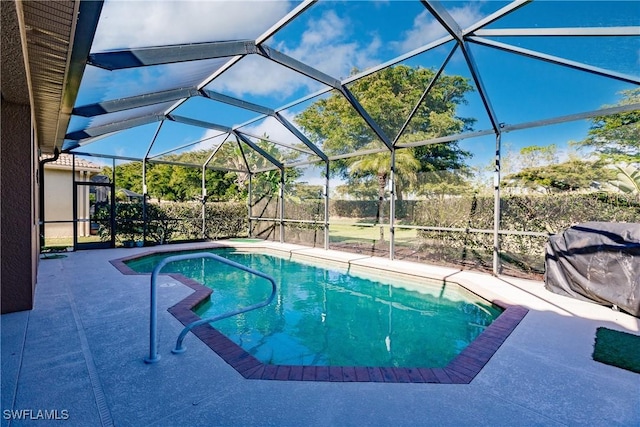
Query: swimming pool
323	316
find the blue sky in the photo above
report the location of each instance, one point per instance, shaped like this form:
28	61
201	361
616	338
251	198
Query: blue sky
336	37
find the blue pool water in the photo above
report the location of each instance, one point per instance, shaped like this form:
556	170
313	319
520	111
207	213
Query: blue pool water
325	317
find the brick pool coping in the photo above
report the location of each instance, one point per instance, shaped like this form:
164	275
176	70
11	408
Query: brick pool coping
461	370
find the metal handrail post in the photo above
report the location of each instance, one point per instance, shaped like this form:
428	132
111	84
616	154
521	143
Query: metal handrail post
153	312
180	348
153	316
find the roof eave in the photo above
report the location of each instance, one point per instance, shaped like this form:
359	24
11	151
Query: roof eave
54	79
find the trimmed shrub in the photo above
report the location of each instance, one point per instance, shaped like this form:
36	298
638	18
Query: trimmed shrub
176	221
550	214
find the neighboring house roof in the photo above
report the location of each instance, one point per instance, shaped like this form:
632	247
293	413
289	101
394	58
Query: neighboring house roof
65	161
130	194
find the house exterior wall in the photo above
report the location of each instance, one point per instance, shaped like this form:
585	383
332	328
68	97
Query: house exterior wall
19	243
58	196
58	206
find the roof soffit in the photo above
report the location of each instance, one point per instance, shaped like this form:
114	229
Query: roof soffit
55	33
47	27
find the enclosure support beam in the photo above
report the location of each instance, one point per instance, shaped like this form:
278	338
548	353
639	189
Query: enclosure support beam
199	123
631	31
204	202
204	189
255	147
556	60
436	76
75	200
484	96
298	66
366	117
144	197
79	135
291	128
249	204
140	57
496	208
392	205
281	196
441	15
122	104
326	207
511	7
225	99
144	182
284	21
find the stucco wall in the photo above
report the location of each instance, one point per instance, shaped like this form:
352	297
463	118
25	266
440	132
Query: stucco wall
58	196
19	228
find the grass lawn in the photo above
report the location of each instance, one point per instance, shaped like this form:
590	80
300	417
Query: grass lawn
65	242
342	231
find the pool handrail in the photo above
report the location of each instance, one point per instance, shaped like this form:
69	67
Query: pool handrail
153	321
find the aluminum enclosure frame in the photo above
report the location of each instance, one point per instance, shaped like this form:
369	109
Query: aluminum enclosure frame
79	141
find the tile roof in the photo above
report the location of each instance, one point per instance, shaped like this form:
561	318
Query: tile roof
65	161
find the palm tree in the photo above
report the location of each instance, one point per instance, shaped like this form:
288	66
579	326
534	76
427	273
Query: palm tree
406	169
628	181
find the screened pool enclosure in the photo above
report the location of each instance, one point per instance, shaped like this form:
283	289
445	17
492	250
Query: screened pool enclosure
457	133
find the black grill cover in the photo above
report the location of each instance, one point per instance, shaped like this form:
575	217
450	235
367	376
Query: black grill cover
596	261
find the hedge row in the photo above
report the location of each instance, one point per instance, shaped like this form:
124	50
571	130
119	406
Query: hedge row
177	221
549	214
544	213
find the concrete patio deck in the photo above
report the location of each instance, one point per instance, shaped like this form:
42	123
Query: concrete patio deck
78	356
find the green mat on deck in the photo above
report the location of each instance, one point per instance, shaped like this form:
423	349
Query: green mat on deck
617	349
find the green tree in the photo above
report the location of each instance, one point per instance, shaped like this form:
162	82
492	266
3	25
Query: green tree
627	180
158	177
380	165
175	182
239	158
617	137
444	183
538	155
389	96
363	190
574	174
128	176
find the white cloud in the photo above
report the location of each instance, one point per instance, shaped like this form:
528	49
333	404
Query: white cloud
273	129
269	126
209	140
126	24
257	76
427	29
328	45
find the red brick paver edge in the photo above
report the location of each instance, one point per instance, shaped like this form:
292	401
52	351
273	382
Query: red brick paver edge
461	370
